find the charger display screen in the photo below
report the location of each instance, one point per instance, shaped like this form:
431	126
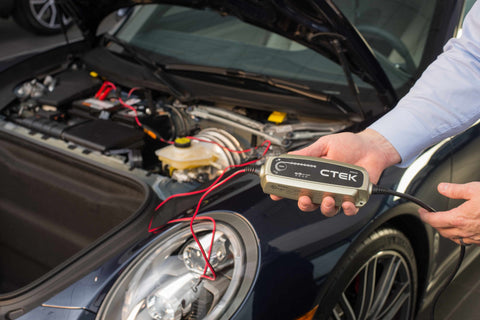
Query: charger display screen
317	171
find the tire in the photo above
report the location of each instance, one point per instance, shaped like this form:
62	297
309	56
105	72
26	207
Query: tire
377	280
39	16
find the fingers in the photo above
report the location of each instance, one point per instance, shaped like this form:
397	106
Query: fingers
305	204
460	224
441	223
328	207
467	241
439	220
317	149
459	191
349	209
448	223
275	198
454	224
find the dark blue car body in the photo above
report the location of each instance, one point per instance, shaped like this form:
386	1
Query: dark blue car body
292	258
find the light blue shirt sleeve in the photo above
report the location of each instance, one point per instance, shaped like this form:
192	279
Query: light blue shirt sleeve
444	101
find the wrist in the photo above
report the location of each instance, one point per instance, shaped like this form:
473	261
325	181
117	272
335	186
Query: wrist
380	148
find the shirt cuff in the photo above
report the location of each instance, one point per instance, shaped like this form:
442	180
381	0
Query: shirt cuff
405	132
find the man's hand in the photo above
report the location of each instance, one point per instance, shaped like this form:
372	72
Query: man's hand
462	221
367	149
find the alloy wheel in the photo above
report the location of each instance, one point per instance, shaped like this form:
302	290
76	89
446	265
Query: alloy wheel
46	14
381	289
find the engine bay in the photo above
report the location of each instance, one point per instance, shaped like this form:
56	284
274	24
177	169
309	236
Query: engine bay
180	144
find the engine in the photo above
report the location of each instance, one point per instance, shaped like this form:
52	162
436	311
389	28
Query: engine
180	145
202	156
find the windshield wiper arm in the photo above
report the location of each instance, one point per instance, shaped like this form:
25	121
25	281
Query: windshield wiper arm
158	69
273	82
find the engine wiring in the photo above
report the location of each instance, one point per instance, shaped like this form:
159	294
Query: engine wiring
102	94
202	250
107	87
217	183
124	104
194	217
265	144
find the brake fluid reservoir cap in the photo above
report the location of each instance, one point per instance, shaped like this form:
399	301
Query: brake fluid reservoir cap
182	142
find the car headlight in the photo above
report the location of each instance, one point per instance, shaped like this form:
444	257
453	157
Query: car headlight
164	282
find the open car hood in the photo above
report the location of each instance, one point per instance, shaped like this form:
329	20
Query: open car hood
316	24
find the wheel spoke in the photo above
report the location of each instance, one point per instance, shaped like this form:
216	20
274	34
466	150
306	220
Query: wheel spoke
347	309
53	17
385	284
42	16
367	288
381	289
33	2
401	298
336	315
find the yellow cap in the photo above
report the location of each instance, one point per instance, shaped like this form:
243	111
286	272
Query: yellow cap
277	117
182	142
93	74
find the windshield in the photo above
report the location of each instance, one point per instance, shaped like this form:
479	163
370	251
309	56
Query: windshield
396	30
204	37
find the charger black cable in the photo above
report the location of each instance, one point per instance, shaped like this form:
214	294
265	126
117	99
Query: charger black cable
380	190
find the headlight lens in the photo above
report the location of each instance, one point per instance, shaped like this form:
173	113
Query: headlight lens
164	282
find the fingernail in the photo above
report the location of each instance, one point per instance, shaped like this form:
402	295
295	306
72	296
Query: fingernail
442	187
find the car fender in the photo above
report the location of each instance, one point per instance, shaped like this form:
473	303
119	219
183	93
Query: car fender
404	218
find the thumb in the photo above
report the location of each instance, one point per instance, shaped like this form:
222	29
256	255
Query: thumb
316	149
455	190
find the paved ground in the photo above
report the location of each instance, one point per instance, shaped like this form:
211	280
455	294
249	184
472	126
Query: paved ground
15	41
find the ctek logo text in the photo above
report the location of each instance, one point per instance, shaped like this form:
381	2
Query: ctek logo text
340	175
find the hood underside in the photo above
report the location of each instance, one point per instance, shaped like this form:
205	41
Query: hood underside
317	24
